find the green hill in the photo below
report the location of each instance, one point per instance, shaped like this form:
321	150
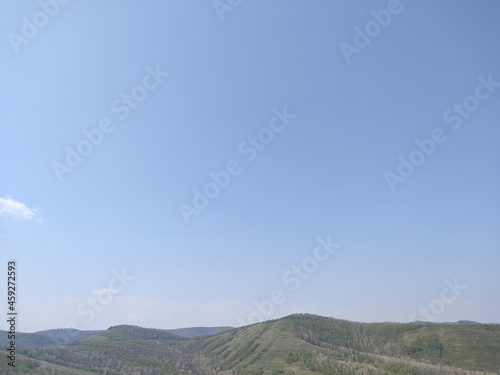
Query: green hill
297	344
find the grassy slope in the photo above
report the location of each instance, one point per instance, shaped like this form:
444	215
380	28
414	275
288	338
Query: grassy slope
255	348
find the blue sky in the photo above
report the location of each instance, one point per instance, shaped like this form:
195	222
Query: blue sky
198	80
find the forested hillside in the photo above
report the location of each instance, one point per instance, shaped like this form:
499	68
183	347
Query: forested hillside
297	344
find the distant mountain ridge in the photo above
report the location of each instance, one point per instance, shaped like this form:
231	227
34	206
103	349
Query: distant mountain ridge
66	335
296	344
46	338
198	331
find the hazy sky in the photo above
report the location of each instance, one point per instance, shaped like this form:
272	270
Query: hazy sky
372	128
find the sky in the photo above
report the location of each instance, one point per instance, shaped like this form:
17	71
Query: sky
171	164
